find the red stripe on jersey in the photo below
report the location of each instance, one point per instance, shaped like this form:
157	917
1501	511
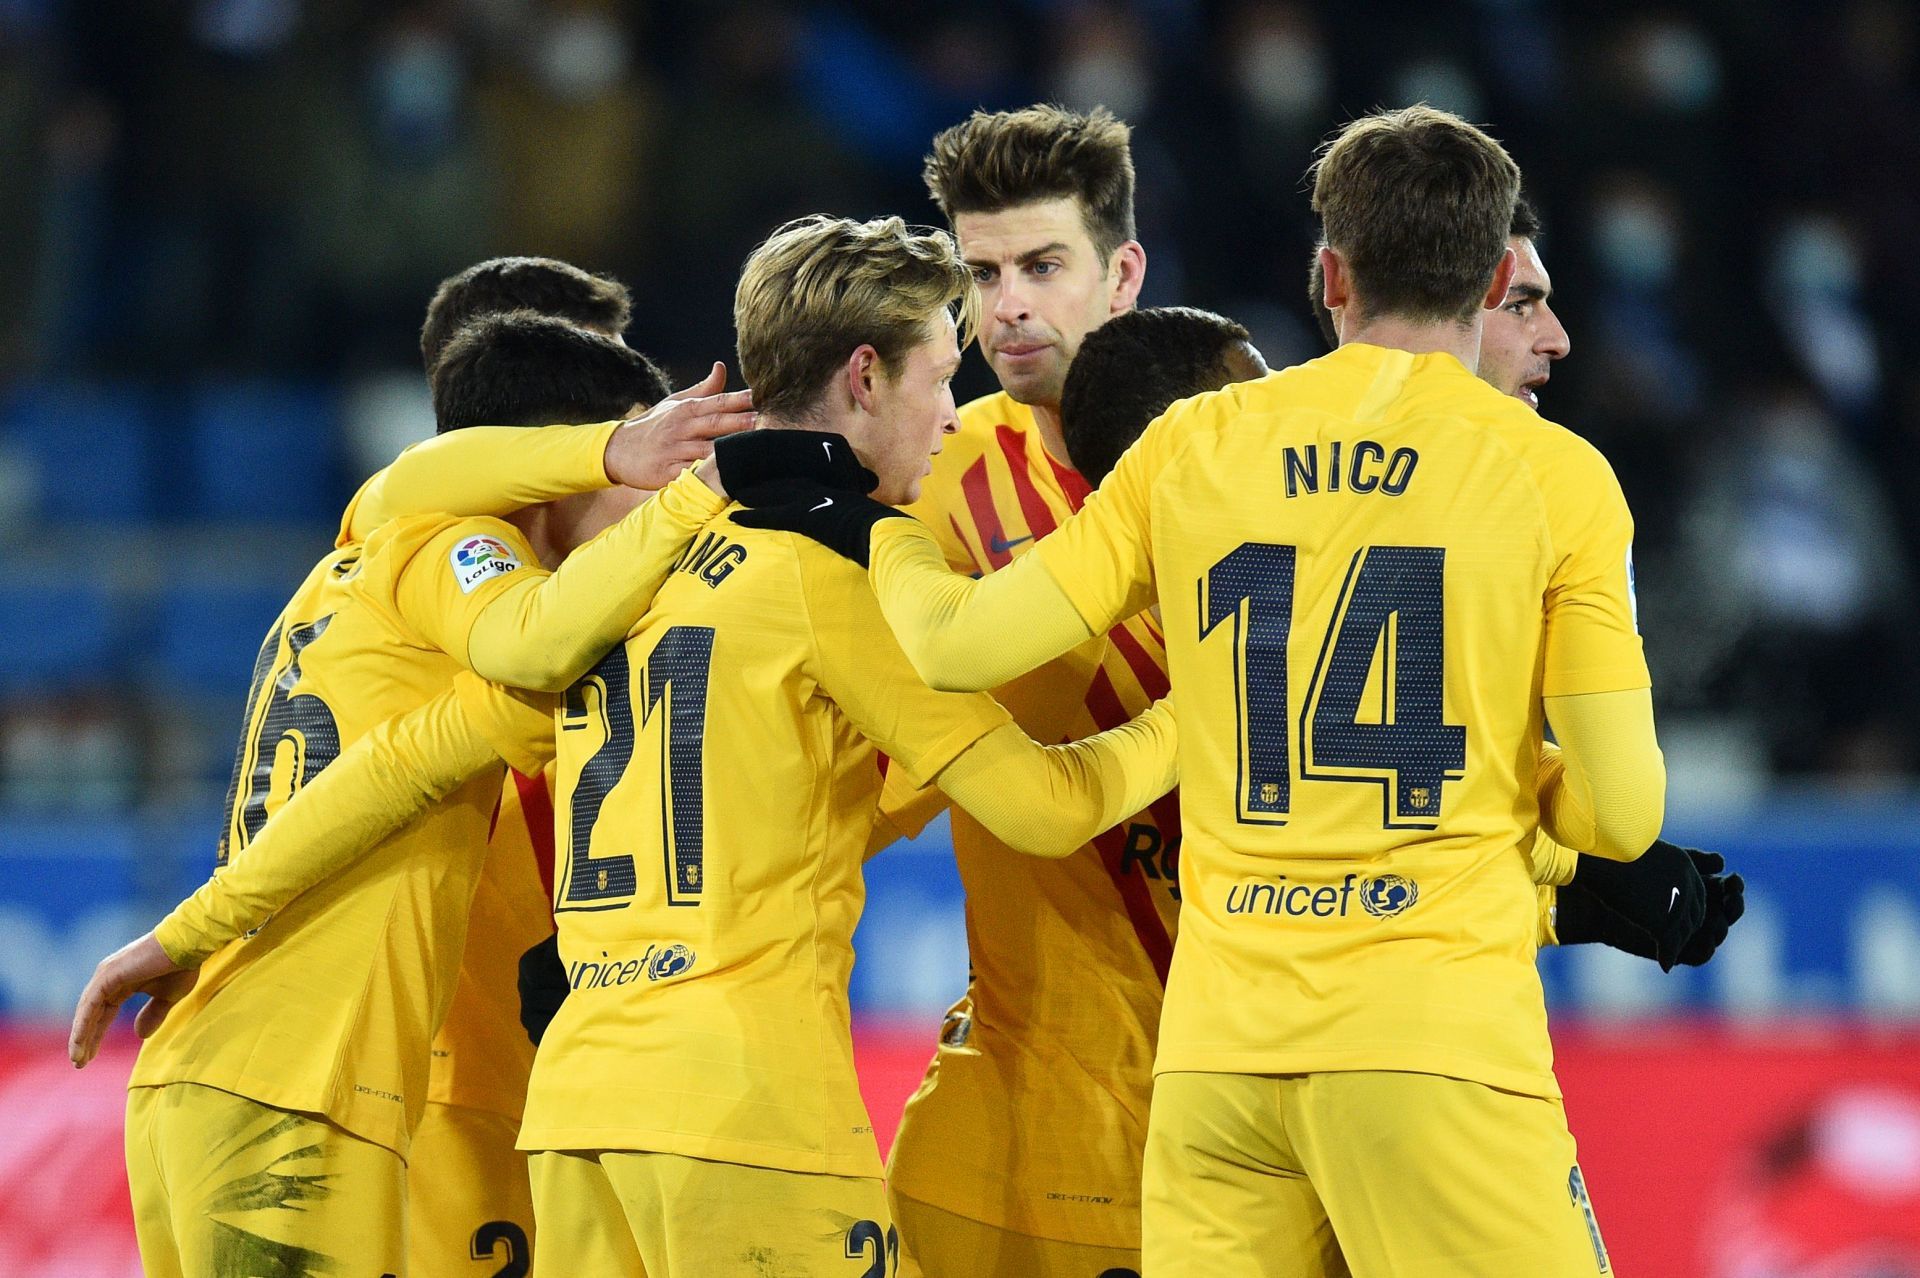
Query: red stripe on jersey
1033	506
536	805
1072	483
1135	892
978	490
1153	681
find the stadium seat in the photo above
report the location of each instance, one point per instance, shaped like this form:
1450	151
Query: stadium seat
56	635
204	636
264	450
90	446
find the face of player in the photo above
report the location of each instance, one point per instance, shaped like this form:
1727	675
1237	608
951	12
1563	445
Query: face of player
1521	340
904	419
1043	288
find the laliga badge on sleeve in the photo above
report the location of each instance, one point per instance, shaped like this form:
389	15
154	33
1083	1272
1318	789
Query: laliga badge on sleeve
478	559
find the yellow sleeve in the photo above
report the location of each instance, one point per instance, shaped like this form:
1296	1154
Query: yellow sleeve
523	626
906	808
387	778
1049	800
482	470
1610	794
1551	864
1092	572
1592	639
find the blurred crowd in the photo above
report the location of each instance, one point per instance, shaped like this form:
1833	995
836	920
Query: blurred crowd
1731	191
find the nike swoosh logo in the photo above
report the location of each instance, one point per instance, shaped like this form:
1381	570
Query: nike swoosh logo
824	503
826	446
1000	545
1671	901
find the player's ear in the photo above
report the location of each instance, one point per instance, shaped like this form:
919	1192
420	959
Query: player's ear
1336	283
1502	280
863	369
1128	271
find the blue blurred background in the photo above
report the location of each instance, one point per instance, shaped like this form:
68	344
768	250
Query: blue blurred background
220	221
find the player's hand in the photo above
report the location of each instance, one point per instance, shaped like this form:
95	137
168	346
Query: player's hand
140	967
750	461
543	987
837	519
648	450
1726	902
1652	906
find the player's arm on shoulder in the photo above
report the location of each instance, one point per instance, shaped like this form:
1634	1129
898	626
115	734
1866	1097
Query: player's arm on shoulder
482	470
474	592
382	782
965	634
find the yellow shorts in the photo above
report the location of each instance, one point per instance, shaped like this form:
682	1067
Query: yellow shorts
939	1244
628	1214
1362	1174
469	1197
225	1187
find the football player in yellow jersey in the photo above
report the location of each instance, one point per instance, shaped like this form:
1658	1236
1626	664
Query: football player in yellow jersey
270	1113
1132	369
1379	576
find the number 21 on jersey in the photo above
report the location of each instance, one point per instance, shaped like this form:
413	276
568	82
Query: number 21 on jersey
1372	713
672	696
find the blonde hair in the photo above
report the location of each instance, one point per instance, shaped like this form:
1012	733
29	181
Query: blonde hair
1000	160
1421	204
819	287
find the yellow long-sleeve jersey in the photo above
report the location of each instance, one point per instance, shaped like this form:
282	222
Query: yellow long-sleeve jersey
1034	1109
1372	569
718	780
330	1007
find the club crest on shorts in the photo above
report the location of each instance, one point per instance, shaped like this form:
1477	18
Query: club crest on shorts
669	961
1386	895
478	558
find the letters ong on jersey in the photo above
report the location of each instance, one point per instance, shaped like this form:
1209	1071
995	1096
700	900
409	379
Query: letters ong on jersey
479	558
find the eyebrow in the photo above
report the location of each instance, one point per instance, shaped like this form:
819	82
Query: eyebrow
1026	258
1527	292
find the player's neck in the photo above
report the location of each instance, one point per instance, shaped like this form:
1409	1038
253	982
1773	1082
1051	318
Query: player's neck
1046	420
1418	337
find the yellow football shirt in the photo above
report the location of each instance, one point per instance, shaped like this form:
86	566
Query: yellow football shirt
1371	569
330	1006
716	789
1033	1112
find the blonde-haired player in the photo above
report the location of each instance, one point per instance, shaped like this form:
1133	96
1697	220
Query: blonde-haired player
1379	576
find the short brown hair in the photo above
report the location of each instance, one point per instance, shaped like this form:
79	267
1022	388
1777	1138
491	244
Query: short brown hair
542	284
1420	203
1004	159
522	368
819	287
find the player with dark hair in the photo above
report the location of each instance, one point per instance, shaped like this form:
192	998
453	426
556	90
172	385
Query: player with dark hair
1379	577
542	284
526	368
1133	366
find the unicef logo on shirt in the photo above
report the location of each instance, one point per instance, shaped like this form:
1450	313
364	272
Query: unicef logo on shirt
1387	895
671	961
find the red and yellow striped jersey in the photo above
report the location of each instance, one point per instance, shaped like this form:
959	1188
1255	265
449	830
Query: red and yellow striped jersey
1033	1113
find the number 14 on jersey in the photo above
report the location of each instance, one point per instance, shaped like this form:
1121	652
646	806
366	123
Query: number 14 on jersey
1373	711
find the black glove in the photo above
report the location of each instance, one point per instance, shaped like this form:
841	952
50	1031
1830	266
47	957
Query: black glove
1651	906
1726	902
543	987
749	460
841	521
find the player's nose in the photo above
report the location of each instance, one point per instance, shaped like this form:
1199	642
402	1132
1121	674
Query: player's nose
1552	341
